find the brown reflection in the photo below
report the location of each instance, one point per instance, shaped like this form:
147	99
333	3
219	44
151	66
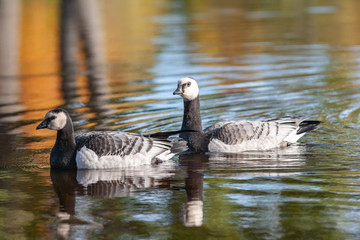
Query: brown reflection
9	72
193	212
9	60
69	48
81	20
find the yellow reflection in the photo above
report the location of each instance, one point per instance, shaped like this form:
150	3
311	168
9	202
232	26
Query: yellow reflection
130	29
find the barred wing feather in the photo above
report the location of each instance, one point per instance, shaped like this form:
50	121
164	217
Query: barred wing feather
121	144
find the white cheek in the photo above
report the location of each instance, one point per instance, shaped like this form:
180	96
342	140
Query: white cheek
58	123
54	126
191	93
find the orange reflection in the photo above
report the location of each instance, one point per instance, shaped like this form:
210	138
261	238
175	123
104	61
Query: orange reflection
39	59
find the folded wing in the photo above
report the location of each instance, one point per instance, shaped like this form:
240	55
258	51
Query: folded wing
121	144
235	136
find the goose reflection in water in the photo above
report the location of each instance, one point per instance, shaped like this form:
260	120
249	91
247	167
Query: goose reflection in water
258	163
248	164
193	210
71	185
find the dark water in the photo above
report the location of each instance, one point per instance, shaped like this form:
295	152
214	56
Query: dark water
114	66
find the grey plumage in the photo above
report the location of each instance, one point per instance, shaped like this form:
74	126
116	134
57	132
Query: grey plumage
119	143
236	132
179	145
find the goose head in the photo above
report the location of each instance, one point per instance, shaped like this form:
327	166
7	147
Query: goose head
187	88
55	120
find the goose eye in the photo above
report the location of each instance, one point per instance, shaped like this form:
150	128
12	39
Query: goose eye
51	118
188	84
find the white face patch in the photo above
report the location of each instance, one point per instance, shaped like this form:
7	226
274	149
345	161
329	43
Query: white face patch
58	120
189	87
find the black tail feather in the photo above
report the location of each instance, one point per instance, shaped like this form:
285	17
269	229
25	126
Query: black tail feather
164	135
308	125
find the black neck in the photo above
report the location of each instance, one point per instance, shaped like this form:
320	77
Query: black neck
64	150
192	121
192	117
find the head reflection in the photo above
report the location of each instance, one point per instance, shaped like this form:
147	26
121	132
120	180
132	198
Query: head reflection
194	165
269	163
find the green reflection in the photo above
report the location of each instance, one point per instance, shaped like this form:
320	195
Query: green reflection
27	202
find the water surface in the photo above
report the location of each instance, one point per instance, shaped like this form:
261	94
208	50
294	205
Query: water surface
114	65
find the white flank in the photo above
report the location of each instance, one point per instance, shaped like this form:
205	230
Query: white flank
88	159
167	155
216	145
293	137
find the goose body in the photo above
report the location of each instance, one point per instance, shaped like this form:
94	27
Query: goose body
104	150
236	136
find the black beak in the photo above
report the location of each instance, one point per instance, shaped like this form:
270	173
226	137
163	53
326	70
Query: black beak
42	125
178	91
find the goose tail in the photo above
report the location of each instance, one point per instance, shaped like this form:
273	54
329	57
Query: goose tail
165	135
308	125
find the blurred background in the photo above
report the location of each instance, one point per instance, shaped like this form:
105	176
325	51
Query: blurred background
113	64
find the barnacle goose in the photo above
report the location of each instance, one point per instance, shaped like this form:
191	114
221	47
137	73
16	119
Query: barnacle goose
236	136
104	150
